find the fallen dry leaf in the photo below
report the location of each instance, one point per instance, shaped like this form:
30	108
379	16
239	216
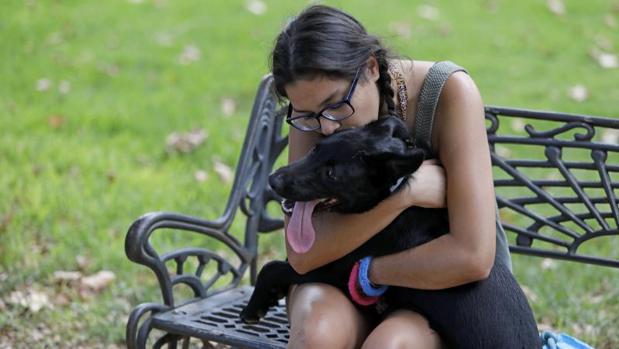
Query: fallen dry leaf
111	176
604	59
584	330
531	296
62	276
39	333
62	299
556	6
98	281
608	60
610	136
30	299
190	54
553	176
491	5
64	87
185	142
428	12
6	219
43	84
445	29
224	172
603	43
108	69
257	7
503	151
401	29
200	175
595	299
548	263
55	121
36	171
228	106
543	326
518	125
579	93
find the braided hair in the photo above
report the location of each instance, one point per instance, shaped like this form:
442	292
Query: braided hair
384	80
325	41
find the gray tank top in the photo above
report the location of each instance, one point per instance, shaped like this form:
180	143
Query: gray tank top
422	134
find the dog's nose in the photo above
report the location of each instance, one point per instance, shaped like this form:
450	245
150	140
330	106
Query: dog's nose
276	180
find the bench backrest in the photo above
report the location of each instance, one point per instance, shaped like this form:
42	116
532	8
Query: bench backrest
556	179
557	183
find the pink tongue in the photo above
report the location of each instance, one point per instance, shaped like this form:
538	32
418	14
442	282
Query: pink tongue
300	232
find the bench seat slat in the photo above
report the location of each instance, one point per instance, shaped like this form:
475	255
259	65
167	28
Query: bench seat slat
216	319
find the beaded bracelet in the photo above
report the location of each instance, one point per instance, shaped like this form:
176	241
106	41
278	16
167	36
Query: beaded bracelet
364	281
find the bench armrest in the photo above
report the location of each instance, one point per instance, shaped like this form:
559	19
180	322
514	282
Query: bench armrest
139	250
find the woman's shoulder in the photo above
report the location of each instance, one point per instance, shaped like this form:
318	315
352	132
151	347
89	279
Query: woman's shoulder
460	105
458	89
416	71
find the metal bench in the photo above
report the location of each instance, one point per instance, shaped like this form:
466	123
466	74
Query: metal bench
556	179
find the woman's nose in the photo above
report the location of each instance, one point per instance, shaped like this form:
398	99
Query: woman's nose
327	127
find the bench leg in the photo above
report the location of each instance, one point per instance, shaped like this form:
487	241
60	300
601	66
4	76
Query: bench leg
137	334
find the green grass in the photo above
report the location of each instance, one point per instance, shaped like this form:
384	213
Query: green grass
79	167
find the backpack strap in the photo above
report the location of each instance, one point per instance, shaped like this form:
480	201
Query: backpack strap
428	100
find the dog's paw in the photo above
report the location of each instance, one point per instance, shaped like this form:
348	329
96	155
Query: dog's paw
271	285
250	316
259	304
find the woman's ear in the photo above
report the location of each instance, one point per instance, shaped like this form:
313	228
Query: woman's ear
373	71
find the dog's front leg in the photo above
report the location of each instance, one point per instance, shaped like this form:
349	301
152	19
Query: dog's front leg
271	285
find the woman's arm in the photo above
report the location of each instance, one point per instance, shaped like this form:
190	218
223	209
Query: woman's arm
467	252
339	234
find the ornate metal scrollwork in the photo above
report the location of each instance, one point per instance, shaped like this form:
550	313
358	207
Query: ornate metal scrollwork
570	229
590	131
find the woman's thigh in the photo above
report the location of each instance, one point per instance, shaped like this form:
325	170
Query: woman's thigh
403	329
321	316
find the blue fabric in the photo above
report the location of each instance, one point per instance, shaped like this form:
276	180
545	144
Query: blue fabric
364	280
562	341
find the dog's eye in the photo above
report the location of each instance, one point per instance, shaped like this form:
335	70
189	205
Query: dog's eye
331	173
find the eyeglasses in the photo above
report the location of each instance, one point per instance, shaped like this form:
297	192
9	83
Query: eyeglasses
335	112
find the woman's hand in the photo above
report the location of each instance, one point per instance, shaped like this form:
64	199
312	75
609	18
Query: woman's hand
426	187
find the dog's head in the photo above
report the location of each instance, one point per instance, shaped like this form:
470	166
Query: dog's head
353	170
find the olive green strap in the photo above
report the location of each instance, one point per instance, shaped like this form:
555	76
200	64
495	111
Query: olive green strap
428	100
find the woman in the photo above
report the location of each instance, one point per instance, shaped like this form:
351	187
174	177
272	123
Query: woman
323	60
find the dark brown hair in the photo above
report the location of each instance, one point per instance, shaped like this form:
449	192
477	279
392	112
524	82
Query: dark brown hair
325	41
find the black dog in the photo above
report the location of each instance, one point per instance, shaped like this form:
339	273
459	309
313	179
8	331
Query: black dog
352	171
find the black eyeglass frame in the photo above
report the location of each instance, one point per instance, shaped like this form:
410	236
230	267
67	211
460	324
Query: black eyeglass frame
317	116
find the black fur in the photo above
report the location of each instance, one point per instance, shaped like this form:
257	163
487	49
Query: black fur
358	166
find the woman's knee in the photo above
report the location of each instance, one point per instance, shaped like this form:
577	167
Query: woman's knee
403	329
322	317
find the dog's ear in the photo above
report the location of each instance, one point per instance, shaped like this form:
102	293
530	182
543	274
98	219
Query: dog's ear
394	165
392	126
